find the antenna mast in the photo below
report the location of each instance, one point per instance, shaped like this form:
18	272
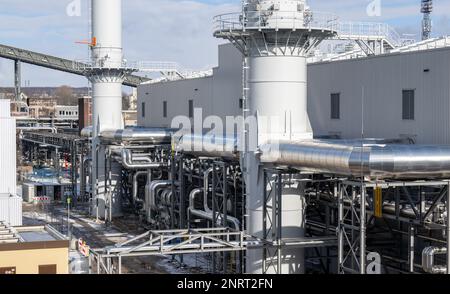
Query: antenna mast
426	9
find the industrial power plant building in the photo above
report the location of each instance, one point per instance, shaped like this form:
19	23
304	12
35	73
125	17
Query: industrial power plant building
282	159
396	95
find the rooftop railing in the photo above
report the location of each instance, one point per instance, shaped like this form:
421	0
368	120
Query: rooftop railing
273	19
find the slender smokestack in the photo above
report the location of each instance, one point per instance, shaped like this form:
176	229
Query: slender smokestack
107	74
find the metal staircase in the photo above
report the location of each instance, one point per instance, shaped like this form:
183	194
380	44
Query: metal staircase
373	38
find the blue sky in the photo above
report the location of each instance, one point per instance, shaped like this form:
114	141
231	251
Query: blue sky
164	30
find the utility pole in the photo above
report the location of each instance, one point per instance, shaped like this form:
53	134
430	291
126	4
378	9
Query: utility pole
68	218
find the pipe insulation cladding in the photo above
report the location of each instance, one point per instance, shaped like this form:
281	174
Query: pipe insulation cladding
106	75
374	161
275	37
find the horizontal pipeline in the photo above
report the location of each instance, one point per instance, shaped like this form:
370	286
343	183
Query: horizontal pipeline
374	161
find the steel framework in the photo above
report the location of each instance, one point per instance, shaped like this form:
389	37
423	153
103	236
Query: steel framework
360	204
55	63
168	242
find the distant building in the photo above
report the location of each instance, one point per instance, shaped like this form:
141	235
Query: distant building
66	112
42	107
129	117
84	112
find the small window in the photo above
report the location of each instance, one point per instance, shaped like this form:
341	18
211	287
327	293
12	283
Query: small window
191	108
165	109
8	271
408	104
335	106
241	103
143	109
47	269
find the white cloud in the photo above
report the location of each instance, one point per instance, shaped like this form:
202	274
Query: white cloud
172	30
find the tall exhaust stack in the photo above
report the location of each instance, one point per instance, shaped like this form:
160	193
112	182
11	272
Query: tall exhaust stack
275	38
426	9
106	74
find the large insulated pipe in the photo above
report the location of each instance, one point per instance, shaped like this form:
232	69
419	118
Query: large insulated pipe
368	160
150	196
51	129
209	215
145	135
139	163
428	260
106	75
135	184
207	145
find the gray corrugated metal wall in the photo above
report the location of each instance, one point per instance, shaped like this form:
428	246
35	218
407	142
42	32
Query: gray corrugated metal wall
383	79
217	95
11	210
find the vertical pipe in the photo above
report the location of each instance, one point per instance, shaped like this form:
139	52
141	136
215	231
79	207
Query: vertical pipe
106	75
448	228
411	249
279	213
90	264
98	264
17	79
225	211
362	253
213	196
340	228
264	220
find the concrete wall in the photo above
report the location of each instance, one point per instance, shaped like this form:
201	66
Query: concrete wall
382	77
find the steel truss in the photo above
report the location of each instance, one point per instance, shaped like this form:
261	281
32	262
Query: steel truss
361	203
56	63
273	240
167	242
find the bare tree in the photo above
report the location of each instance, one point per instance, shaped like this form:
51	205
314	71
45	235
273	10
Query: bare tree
65	96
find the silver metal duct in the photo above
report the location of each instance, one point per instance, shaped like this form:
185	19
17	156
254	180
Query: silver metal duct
428	260
86	132
209	214
368	160
135	184
148	135
51	129
150	195
207	145
140	163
